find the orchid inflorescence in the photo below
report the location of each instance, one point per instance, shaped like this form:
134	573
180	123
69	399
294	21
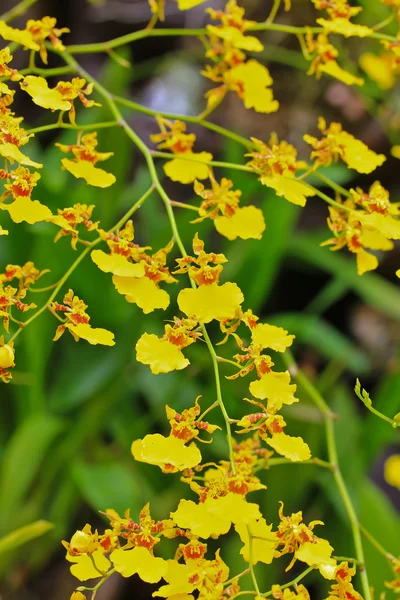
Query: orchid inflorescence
363	220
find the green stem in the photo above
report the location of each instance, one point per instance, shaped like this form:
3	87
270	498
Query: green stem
291	583
307	385
377	413
171	217
103	574
228	362
92	126
232	579
219	397
132	37
345	558
273	13
94	589
366	400
209	409
385	22
335	186
146	33
44	289
53	312
183	205
133	209
18	10
326	198
192	158
74	265
187	119
333	459
251	565
284	28
56	289
210	109
47	72
312	461
376	544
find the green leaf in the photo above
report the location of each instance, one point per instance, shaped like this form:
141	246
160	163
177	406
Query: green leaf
21	536
109	485
372	288
379	517
329	341
21	462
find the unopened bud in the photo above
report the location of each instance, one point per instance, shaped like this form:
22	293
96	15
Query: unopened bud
6	356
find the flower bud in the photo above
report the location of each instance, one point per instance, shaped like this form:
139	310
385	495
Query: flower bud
6	356
78	596
80	542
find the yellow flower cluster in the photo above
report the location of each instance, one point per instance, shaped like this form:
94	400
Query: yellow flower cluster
157	7
76	320
340	13
128	546
367	220
227	45
188	165
221	205
136	274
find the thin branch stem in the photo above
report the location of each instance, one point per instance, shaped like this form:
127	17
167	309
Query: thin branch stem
251	565
219	397
98	585
335	186
93	126
54	72
133	37
63	279
164	196
44	289
183	205
210	109
133	209
209	409
17	11
74	265
232	579
377	413
228	362
146	33
274	12
345	558
385	22
366	400
187	119
291	583
102	573
376	544
333	459
193	158
326	198
53	312
272	462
